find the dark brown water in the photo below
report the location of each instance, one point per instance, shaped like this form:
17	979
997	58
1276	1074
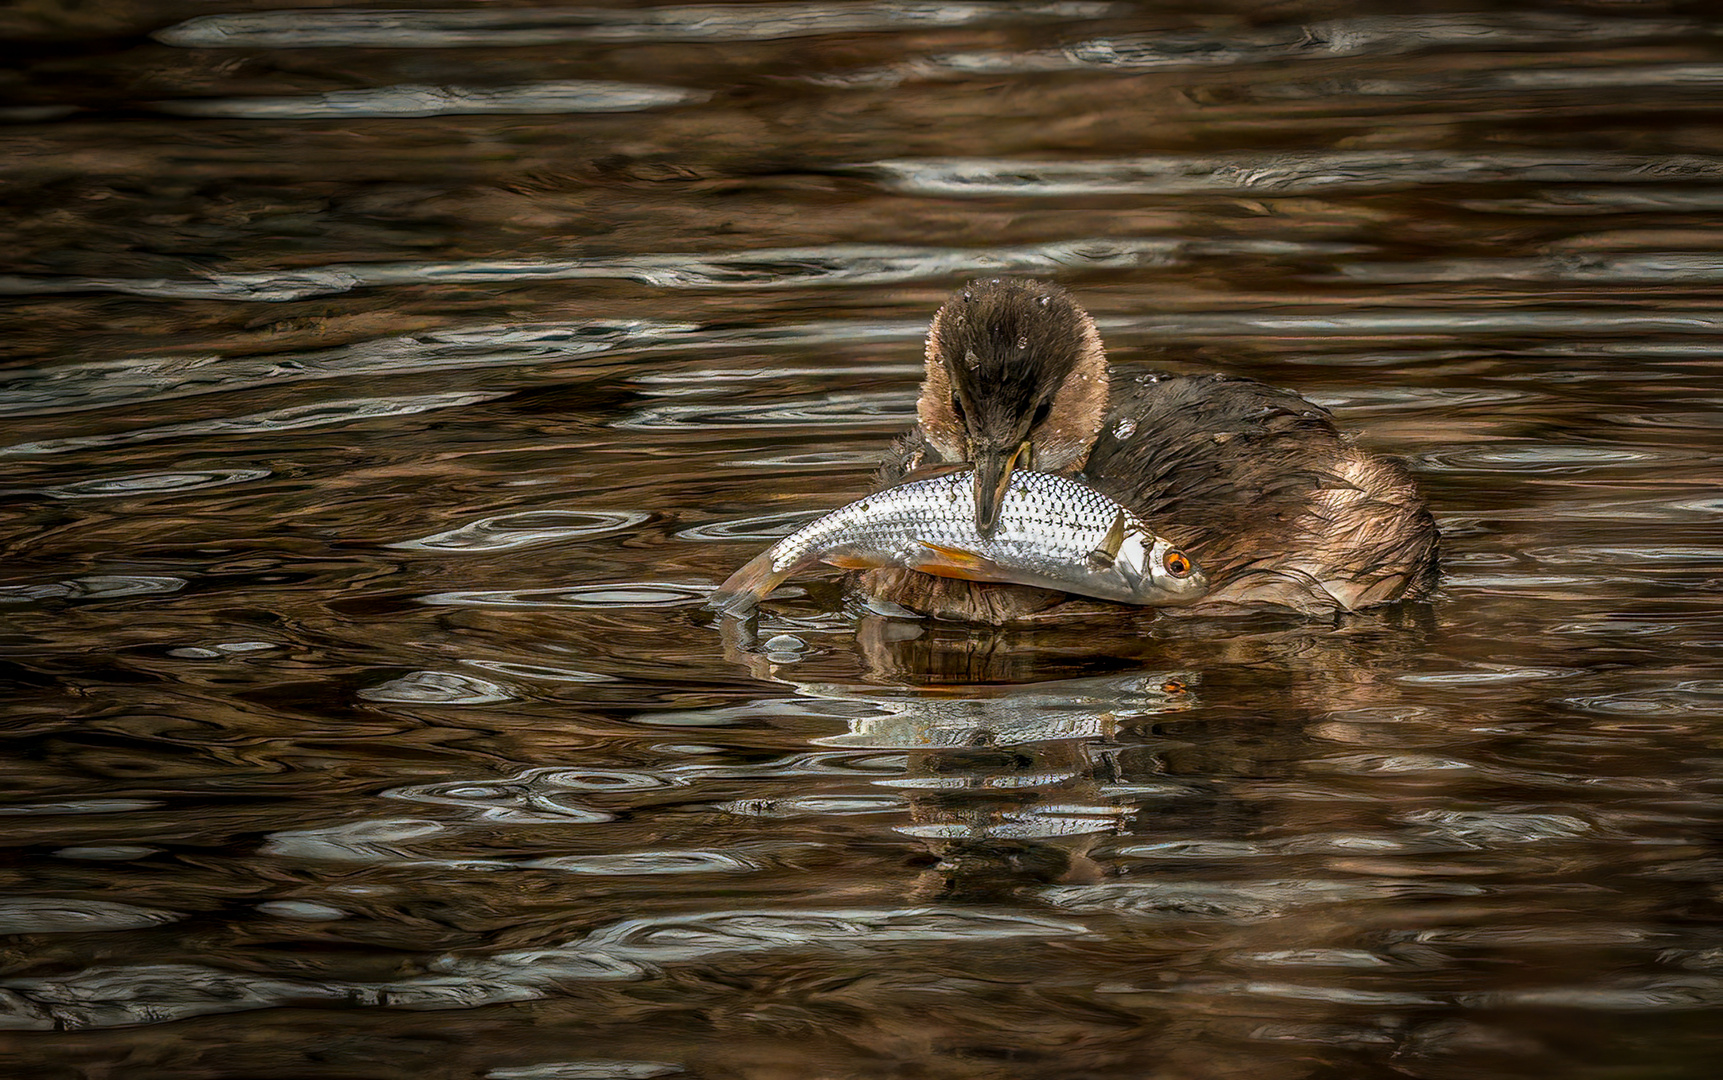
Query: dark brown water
383	394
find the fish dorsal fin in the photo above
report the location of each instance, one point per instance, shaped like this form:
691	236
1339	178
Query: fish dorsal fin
1108	549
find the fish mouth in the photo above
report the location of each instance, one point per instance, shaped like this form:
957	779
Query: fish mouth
992	474
1176	592
1194	587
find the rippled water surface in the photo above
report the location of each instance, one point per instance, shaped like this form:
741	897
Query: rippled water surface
383	390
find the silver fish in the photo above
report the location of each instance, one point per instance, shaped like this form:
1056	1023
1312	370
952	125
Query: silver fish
1053	532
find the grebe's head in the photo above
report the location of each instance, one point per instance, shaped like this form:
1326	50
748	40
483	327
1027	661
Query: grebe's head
1016	378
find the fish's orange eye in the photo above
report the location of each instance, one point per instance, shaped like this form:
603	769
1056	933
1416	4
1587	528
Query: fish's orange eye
1177	564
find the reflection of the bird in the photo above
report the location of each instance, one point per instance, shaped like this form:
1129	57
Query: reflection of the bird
1263	834
1029	750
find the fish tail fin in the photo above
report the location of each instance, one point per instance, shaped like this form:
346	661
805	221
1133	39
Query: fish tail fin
743	590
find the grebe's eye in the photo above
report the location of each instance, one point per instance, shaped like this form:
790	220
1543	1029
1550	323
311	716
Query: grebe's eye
1177	563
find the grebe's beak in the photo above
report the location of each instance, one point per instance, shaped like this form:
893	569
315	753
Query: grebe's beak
992	475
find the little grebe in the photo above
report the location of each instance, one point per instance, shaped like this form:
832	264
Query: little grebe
1255	483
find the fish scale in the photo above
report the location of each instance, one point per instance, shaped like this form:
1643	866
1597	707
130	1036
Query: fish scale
1050	528
1042	515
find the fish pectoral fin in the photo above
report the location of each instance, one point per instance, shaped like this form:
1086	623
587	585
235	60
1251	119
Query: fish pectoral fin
943	561
1108	549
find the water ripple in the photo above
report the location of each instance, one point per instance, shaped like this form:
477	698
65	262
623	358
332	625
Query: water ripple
587	1070
1547	458
761	527
167	483
102	997
293	418
149	994
776	374
1487	676
1373	36
436	688
1484	828
359	841
774	268
593	25
1640	995
818	459
621	594
815	764
1386	398
93	587
505	532
101	384
694	937
819	805
1242	901
1334	995
1665	76
1533	937
46	915
1704	508
1569	587
546	672
1698	698
1678	266
1389	321
1275	174
1628	555
222	650
598	779
1392	764
651	863
1603	200
106	852
535	795
1307	844
1196	849
826	411
80	806
566	96
301	911
755	710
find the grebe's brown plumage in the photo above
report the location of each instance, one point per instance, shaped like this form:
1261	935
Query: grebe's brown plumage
1257	484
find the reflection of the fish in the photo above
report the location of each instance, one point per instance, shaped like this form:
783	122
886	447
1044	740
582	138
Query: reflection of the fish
930	653
1025	748
992	715
1008	784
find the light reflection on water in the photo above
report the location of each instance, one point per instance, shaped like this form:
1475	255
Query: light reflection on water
381	407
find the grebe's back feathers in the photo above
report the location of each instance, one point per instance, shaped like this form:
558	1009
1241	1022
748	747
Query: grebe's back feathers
1260	484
